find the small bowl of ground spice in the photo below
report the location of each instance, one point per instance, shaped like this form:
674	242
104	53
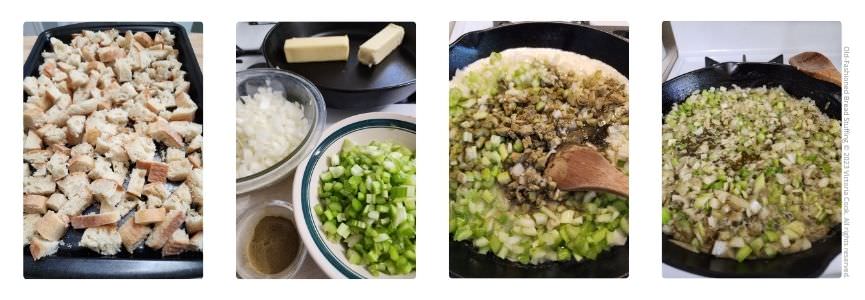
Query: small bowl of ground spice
268	245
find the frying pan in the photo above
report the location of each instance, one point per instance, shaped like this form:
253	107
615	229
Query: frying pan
73	261
349	84
464	260
827	97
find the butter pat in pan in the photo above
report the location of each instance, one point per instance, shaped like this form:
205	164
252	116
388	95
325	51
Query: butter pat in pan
374	50
310	49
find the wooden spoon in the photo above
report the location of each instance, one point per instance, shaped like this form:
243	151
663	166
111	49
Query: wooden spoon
580	168
816	65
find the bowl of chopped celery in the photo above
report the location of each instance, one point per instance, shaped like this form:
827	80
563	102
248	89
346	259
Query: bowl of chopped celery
355	198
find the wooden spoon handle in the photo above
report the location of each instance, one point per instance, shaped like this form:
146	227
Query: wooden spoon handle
818	66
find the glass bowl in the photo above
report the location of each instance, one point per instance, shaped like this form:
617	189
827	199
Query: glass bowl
246	226
296	89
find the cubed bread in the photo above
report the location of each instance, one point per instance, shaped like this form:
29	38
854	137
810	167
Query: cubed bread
180	199
40	247
174	154
177	244
56	201
163	230
40	156
100	104
104	189
39	185
188	130
135	186
58	166
198	241
81	163
195	159
35	204
150	215
178	170
194	222
140	148
30	221
161	131
110	54
157	172
34	118
104	239
76	187
75	128
133	235
95	220
52	226
196	187
32	141
143	38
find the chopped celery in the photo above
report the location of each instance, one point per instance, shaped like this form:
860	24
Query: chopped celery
367	203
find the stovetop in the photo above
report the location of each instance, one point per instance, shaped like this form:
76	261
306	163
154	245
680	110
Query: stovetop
250	36
693	42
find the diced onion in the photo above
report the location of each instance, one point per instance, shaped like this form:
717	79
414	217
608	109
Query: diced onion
269	127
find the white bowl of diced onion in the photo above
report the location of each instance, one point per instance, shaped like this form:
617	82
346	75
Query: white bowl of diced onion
280	117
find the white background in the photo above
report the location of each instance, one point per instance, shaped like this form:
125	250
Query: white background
219	18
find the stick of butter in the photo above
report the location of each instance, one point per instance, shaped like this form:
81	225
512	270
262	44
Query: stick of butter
374	50
310	49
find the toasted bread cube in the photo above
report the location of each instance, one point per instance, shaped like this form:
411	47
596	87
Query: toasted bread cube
40	248
140	148
177	244
194	222
35	204
132	235
95	220
56	201
81	163
39	185
76	187
178	170
52	226
30	221
149	215
104	239
32	141
57	165
136	182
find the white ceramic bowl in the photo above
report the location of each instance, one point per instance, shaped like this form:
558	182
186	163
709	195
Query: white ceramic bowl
361	129
246	227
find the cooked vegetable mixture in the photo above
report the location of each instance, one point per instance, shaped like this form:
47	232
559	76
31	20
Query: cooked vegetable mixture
508	115
750	173
367	203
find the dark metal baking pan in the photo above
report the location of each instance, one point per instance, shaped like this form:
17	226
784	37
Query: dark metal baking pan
72	261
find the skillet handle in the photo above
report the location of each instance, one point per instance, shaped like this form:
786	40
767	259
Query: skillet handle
238	52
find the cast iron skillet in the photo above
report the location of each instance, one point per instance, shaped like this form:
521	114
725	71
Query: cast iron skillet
72	261
349	84
465	261
827	97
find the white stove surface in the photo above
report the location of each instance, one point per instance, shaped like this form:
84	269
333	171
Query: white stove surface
759	42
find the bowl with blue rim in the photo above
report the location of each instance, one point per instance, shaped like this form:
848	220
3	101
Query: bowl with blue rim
361	129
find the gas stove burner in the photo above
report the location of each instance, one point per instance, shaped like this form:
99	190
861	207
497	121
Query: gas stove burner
777	60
